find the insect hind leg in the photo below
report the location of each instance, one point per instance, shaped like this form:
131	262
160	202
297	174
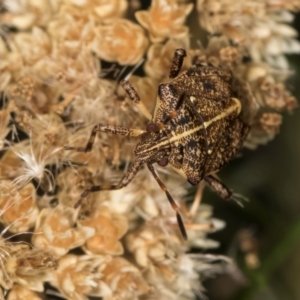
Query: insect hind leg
222	190
171	200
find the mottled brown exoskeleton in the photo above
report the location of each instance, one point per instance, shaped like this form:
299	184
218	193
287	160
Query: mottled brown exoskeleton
195	128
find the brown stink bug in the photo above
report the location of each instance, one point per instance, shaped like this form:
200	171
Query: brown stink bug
196	128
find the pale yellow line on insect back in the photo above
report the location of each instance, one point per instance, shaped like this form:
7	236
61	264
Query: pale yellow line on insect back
236	107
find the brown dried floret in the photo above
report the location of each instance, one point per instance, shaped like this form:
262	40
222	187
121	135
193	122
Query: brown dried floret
124	279
18	207
105	11
28	267
270	122
10	165
190	270
264	129
109	228
152	248
261	27
71	31
23	42
55	230
26	14
35	97
122	41
219	52
79	276
268	87
10	63
164	19
19	292
276	96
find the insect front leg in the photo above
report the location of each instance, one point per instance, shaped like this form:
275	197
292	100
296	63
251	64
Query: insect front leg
125	180
118	130
177	62
171	200
133	95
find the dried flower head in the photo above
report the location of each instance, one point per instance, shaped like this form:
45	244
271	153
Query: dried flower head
122	41
152	248
109	228
20	292
106	10
79	276
55	230
18	209
28	267
261	27
22	44
26	14
124	279
164	19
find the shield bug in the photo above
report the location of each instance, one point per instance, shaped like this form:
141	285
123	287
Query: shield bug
196	128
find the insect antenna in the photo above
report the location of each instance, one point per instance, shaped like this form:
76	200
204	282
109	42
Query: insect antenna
171	200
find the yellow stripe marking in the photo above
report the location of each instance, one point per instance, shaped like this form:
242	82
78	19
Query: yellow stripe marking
230	110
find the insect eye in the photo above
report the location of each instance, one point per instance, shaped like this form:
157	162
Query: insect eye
151	127
163	162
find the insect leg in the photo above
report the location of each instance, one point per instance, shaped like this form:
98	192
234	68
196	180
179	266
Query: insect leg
223	191
218	187
125	180
177	62
171	200
106	128
133	95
